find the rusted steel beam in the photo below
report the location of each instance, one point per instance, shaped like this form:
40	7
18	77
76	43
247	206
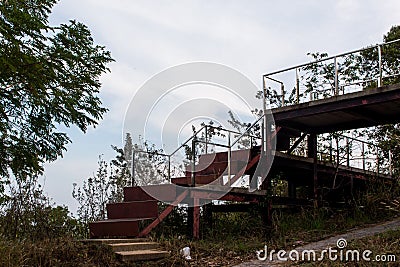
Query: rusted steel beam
163	214
244	198
205	194
233	207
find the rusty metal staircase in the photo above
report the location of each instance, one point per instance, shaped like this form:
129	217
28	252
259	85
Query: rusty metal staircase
297	124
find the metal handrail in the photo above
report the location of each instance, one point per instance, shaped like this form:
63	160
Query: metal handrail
194	140
337	84
187	141
330	58
247	130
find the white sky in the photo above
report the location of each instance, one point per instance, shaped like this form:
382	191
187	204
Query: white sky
253	37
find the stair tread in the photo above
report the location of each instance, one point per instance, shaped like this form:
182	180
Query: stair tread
134	201
123	220
142	252
134	243
111	241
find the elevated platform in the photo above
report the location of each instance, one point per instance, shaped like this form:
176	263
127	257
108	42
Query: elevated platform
370	107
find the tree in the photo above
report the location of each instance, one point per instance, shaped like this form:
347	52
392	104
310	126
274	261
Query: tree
30	214
106	185
388	136
49	77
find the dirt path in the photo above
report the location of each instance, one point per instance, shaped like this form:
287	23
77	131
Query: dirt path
331	242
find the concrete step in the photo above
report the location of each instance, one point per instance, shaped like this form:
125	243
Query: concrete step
109	241
132	249
118	247
142	255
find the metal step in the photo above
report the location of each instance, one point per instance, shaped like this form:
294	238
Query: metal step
163	192
132	210
200	179
114	228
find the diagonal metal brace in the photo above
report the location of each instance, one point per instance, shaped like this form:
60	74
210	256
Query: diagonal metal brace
298	141
163	214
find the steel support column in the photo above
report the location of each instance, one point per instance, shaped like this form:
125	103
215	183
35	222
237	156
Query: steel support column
196	218
312	153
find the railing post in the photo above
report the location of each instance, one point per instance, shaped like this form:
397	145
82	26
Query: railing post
348	152
336	77
264	145
133	168
377	160
297	87
283	94
193	176
380	65
262	136
169	168
390	163
229	158
337	151
363	155
206	150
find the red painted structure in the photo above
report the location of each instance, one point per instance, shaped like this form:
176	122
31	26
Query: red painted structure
367	108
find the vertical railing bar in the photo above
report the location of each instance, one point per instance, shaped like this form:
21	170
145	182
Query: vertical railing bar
336	76
363	155
330	149
133	168
193	176
283	94
390	163
337	151
348	152
262	136
377	160
169	168
297	87
264	146
229	158
380	65
206	150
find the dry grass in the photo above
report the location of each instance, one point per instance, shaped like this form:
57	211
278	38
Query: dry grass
54	252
